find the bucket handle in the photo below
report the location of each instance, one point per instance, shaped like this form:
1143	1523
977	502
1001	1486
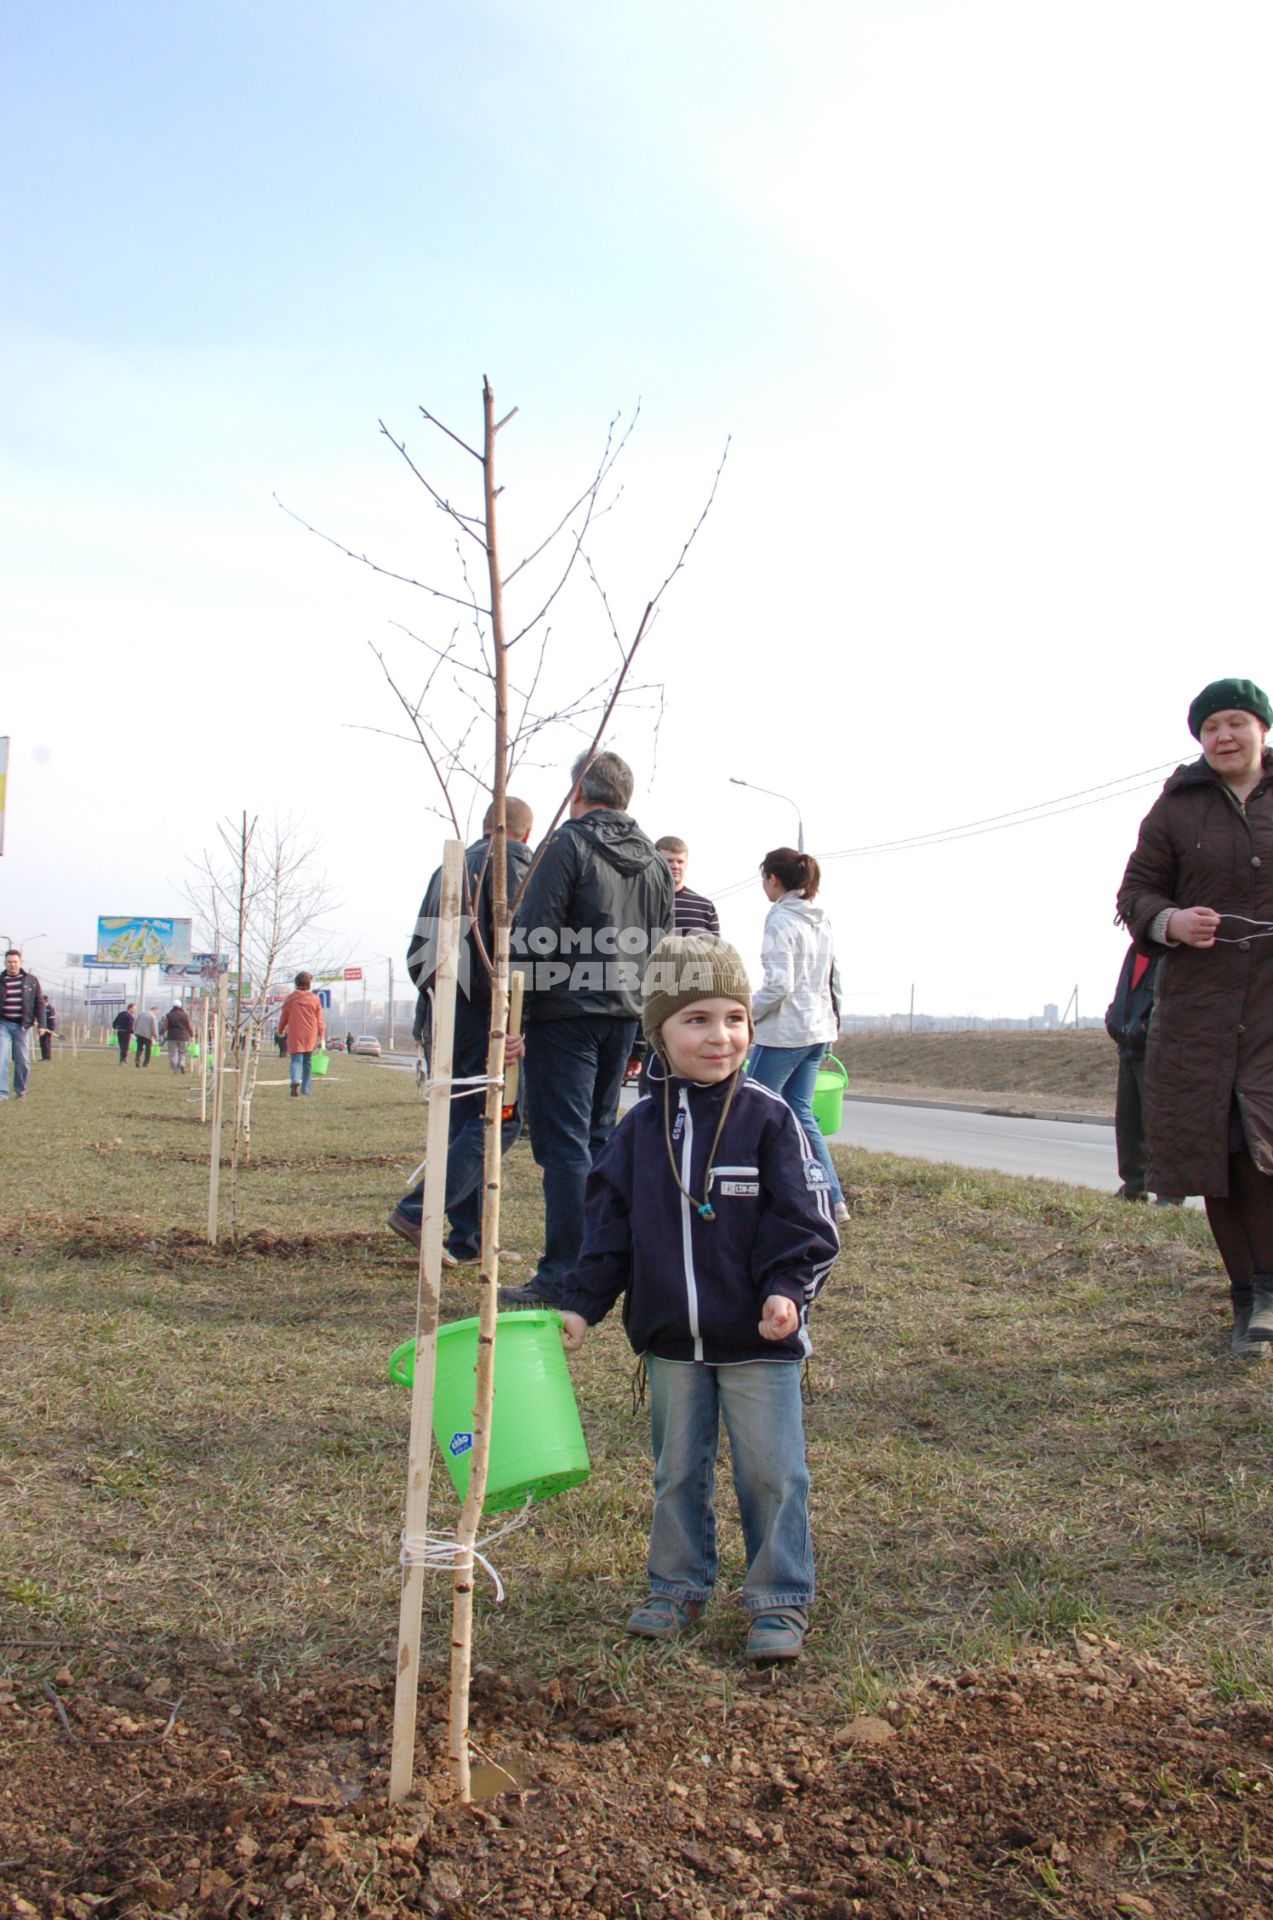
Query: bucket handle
831	1061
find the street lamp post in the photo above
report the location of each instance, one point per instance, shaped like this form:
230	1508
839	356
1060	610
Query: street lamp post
734	781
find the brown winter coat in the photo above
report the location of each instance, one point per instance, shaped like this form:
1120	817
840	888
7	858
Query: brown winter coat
1211	1036
301	1021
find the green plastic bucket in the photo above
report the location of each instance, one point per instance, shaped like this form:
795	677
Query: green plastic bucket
192	1048
828	1094
537	1443
318	1062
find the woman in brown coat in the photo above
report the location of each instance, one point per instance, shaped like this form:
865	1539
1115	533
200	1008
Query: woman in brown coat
1200	887
301	1023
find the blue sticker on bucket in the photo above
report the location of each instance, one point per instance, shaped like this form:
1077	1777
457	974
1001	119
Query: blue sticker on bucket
460	1443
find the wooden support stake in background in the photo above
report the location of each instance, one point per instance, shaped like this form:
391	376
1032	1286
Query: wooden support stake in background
428	1301
218	1083
203	1064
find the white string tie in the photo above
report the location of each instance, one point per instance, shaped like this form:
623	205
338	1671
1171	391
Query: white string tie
1230	940
441	1551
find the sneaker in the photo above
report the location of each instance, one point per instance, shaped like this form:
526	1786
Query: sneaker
842	1214
527	1295
662	1617
296	1089
405	1227
777	1634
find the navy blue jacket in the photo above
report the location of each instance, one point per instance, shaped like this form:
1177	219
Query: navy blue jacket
694	1288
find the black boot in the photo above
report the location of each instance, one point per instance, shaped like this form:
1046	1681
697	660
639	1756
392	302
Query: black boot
1241	1345
1260	1323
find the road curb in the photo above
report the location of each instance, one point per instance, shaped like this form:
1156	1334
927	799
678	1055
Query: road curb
964	1106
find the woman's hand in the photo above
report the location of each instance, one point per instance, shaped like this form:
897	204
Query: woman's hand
1193	926
573	1329
778	1318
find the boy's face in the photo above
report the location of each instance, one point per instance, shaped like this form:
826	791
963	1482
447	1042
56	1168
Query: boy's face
678	863
707	1040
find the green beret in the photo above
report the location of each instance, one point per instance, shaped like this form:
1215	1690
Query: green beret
1222	694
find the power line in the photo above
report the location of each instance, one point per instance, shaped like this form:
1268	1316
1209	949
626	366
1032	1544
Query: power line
991	823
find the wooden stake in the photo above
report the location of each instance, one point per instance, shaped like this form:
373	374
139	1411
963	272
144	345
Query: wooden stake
203	1064
428	1302
218	1084
516	993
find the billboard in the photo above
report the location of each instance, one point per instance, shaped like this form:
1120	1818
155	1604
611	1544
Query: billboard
197	966
142	942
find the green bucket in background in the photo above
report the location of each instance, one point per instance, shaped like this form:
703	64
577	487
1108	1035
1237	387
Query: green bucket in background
192	1048
828	1094
537	1443
318	1062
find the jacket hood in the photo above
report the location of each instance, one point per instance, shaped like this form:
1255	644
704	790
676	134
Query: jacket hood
617	838
795	903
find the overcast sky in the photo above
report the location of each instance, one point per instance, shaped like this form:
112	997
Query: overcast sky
979	292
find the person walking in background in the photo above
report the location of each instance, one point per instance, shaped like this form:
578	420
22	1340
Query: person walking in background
48	1030
301	1020
1198	891
1127	1024
145	1032
467	1147
176	1031
596	905
796	1011
123	1025
21	1010
694	912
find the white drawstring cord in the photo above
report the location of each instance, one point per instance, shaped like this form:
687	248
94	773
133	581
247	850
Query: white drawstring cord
439	1551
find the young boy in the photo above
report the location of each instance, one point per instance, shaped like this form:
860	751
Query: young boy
708	1211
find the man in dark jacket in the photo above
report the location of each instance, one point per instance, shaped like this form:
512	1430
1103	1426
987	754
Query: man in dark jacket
597	904
21	1010
123	1025
463	1201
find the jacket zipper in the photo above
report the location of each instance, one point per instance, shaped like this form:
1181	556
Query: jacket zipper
687	1237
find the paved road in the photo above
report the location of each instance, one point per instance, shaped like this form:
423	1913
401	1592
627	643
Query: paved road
1075	1151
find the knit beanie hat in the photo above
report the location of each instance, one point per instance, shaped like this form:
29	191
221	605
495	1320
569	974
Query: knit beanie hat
1223	694
686	967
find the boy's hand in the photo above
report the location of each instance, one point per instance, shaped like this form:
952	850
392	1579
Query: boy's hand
573	1329
778	1317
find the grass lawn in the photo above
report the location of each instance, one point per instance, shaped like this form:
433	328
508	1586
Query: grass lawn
1022	1416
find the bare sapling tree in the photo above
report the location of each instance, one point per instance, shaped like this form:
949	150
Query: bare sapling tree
263	890
491	692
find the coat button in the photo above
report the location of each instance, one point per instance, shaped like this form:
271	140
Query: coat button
1255	859
1244	946
1241	1029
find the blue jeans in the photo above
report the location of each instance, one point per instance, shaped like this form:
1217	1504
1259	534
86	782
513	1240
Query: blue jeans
574	1070
793	1072
760	1403
298	1067
466	1146
15	1040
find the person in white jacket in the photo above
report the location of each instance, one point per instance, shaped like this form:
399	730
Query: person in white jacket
794	1012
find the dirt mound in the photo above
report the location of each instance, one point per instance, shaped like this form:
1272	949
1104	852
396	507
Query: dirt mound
1091	1785
90	1236
1068	1068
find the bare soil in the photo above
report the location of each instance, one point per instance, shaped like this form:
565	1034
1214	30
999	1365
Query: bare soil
1067	1071
1097	1784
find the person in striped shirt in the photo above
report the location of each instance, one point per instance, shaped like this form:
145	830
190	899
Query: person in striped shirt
694	912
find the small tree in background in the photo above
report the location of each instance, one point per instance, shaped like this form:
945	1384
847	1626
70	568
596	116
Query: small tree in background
262	893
